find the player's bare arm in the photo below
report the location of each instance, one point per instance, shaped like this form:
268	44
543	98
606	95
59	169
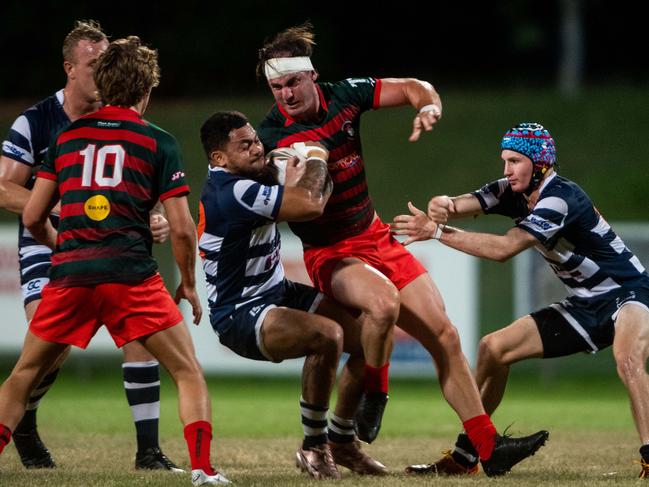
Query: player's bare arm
418	226
13	177
307	199
419	94
183	244
487	245
37	210
443	208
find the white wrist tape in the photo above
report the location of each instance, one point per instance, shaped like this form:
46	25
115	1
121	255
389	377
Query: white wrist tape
316	158
437	111
281	66
304	150
438	231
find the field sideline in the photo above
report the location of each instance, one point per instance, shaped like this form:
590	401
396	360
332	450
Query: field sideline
87	425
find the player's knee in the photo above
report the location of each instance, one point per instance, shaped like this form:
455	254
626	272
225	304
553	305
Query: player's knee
449	340
188	369
489	350
383	310
328	338
630	363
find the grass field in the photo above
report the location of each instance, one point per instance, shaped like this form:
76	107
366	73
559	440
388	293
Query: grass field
87	425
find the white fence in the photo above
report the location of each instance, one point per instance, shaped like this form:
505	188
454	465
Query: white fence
455	274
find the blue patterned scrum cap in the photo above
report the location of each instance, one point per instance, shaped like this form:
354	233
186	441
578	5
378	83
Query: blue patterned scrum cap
532	140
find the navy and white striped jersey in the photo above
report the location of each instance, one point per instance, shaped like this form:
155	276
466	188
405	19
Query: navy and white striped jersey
580	246
27	142
238	240
33	131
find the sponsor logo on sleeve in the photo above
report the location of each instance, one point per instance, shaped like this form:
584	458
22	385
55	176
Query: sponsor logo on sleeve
177	175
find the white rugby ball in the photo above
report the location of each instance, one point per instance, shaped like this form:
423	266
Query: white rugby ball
280	157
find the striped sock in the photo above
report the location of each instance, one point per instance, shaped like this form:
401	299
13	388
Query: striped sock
5	436
314	424
28	423
341	430
142	387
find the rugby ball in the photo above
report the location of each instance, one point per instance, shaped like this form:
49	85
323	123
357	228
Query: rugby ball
280	157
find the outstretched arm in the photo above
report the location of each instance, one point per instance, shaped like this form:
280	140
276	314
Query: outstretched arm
418	226
444	208
420	95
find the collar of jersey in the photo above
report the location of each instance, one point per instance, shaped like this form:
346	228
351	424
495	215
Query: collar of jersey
124	113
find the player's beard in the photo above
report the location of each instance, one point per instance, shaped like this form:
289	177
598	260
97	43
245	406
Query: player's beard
267	175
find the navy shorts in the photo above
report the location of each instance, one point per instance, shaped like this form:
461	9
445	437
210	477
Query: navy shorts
240	331
586	324
35	261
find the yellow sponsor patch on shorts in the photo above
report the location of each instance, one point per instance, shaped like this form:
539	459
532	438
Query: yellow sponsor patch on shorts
97	207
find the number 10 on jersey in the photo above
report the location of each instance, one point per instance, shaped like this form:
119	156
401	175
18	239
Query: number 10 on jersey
93	158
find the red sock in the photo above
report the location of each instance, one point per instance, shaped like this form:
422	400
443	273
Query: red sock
482	433
5	436
376	378
198	436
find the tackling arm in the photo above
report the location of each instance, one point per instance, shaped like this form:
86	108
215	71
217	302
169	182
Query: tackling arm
307	198
418	226
444	208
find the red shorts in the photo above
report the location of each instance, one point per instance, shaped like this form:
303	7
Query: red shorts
72	315
375	246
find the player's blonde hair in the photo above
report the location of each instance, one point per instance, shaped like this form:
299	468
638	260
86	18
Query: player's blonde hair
292	42
126	72
83	30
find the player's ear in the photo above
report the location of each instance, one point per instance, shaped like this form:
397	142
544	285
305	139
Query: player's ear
218	158
68	67
314	75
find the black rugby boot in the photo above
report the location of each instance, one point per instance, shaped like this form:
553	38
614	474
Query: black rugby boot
369	415
32	451
509	451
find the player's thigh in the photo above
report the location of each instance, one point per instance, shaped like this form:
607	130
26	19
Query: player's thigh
37	358
350	325
632	330
515	342
291	333
422	313
356	284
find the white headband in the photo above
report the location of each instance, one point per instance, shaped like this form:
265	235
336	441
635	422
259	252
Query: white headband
281	66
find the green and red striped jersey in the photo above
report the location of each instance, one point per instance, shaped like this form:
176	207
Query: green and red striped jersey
111	167
349	210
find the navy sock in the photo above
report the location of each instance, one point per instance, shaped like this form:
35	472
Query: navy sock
142	387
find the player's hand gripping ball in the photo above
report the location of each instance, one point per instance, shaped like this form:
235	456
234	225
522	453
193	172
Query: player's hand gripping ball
280	158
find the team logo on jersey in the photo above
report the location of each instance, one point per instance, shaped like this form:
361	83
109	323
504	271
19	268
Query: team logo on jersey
97	207
112	125
348	128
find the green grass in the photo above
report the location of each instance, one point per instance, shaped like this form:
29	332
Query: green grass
86	423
